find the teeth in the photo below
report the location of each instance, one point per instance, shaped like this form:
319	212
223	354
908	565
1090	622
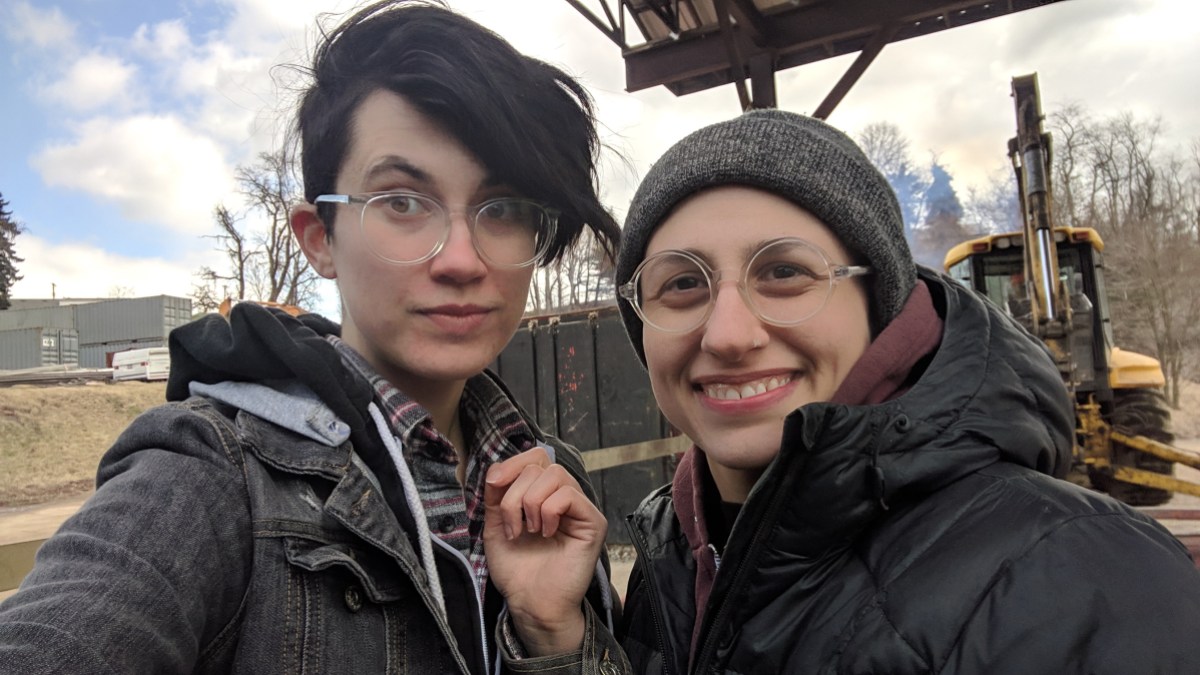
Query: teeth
725	392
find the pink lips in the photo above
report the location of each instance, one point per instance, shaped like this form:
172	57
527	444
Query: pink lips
754	402
456	320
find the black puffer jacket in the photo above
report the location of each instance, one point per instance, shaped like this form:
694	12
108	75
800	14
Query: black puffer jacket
925	535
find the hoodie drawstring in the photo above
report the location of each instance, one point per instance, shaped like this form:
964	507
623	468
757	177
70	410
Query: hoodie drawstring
424	536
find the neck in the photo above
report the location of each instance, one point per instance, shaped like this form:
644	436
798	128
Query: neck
442	407
442	402
733	484
439	397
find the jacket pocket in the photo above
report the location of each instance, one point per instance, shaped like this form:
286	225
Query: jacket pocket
381	581
344	609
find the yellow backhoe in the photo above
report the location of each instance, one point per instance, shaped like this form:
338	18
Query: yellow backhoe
1050	279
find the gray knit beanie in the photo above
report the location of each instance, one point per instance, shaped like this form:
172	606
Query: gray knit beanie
801	158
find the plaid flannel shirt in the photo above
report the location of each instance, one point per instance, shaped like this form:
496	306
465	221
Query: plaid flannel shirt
494	431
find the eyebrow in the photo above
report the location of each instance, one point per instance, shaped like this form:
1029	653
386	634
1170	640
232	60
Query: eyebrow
747	250
397	164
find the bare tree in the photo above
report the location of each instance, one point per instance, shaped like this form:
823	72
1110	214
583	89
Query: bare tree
582	277
994	206
1071	138
263	261
1111	175
213	286
888	149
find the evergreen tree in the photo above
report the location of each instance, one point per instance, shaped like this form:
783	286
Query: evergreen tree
9	229
943	227
941	200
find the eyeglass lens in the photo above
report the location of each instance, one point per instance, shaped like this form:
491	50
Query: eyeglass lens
785	282
407	228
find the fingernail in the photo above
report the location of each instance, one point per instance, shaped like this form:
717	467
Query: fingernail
508	533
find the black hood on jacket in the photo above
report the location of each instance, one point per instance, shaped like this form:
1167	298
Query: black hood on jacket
261	344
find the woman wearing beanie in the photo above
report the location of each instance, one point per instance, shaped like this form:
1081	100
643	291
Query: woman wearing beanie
872	487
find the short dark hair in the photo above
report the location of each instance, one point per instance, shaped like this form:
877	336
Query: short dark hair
529	123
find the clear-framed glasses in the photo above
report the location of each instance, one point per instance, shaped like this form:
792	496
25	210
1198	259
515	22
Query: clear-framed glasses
784	283
406	228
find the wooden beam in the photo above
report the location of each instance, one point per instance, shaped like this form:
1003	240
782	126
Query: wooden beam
606	458
16	560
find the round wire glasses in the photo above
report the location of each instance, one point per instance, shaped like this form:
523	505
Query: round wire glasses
406	228
785	282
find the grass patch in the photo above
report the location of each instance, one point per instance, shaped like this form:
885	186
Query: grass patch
52	437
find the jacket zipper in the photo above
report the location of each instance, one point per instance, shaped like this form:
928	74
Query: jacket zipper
652	588
707	647
478	602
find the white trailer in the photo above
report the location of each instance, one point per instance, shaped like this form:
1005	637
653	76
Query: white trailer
153	363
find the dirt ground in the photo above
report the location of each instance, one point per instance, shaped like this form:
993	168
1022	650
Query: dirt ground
51	439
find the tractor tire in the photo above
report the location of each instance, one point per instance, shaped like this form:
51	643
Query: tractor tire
1138	412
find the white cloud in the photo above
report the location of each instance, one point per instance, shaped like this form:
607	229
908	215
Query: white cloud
217	100
154	168
223	84
280	28
43	28
83	271
164	40
92	82
234	97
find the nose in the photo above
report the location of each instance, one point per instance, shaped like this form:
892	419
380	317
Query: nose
732	329
458	261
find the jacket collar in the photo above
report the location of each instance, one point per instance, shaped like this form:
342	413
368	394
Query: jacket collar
989	393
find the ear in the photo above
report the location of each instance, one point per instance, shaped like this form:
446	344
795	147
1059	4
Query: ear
311	233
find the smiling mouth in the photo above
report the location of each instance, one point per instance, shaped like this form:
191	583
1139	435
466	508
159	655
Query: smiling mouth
735	392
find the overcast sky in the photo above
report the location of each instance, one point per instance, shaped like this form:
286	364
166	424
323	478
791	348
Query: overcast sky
123	121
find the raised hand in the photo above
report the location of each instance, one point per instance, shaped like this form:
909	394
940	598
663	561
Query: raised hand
542	537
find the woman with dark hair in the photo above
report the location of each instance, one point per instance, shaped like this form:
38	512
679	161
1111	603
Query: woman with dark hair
362	498
872	487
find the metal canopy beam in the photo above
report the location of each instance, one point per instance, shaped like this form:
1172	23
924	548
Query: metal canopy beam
752	21
865	57
715	51
612	31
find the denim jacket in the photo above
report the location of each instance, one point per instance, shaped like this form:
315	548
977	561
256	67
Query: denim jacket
240	531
